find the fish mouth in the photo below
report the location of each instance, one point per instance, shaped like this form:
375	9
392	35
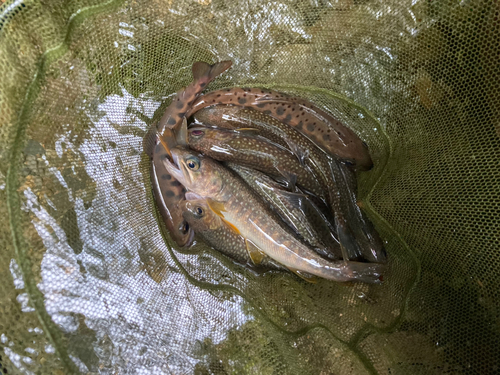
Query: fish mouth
190	238
177	169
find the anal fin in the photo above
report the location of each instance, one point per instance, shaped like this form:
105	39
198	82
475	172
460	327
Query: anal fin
301	154
304	275
256	255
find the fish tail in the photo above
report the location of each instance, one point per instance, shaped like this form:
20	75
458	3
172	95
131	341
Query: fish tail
370	243
204	73
364	272
348	244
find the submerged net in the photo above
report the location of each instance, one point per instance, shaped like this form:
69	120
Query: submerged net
91	283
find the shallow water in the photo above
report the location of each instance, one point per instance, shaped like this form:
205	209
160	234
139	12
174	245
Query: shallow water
106	282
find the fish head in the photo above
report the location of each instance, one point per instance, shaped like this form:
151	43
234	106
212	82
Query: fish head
202	138
168	192
199	215
198	173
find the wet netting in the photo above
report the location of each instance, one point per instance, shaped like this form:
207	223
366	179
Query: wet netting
90	281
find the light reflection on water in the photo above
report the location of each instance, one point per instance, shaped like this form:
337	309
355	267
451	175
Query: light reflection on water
144	321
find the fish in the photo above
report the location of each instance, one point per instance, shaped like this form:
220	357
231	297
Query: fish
169	132
304	150
320	127
296	209
371	244
264	233
175	113
219	235
337	179
233	118
245	147
168	192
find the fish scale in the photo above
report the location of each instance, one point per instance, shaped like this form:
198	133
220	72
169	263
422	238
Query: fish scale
322	128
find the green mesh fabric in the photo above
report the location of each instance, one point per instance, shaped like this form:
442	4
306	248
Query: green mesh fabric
91	283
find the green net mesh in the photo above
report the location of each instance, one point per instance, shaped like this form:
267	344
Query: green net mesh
91	283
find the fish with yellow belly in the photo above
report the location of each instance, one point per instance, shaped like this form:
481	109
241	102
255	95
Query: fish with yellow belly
263	232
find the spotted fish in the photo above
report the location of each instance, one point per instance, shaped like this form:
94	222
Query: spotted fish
168	192
218	234
295	209
263	232
322	128
251	150
168	133
359	238
175	113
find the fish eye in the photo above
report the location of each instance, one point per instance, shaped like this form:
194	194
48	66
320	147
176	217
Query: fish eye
199	210
197	133
193	164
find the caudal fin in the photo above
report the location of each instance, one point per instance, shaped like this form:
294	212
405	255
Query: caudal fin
369	241
205	73
364	272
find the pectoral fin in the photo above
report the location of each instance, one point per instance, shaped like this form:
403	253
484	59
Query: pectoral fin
301	154
164	144
290	178
217	207
304	275
230	225
254	252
